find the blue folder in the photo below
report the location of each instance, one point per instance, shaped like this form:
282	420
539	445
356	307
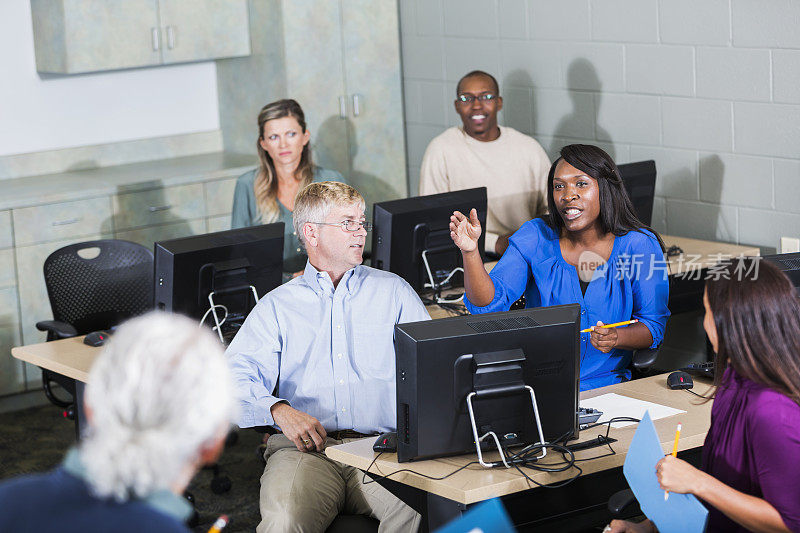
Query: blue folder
681	513
487	517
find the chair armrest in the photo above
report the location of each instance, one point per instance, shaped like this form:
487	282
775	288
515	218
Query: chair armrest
619	501
644	359
56	329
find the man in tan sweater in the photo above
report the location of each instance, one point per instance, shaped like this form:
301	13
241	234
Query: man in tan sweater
512	166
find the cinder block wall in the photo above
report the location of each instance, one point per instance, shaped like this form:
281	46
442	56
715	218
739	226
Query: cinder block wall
710	89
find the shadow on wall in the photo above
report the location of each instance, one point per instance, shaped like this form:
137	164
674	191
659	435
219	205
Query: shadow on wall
336	147
518	102
330	145
12	376
711	177
148	216
585	91
84	164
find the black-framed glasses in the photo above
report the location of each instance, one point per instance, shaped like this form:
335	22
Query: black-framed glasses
469	98
348	225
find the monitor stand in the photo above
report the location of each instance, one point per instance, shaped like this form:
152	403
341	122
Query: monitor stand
214	306
432	284
497	375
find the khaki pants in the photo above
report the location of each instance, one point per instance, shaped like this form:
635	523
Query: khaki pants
304	492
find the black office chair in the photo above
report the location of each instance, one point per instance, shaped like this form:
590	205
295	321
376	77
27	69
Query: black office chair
93	286
642	361
623	505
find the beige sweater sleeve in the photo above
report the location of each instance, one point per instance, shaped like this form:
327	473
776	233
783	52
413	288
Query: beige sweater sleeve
433	171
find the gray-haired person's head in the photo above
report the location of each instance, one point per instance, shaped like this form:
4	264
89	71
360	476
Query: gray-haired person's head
159	394
314	202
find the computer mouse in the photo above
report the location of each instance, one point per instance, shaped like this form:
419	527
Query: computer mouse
386	442
95	338
680	380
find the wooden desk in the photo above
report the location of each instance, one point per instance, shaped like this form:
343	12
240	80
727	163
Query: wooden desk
698	254
688	270
475	483
74	359
68	357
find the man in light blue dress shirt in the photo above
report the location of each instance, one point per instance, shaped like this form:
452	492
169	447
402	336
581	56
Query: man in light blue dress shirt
316	358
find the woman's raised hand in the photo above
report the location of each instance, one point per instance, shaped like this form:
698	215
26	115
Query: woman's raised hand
465	231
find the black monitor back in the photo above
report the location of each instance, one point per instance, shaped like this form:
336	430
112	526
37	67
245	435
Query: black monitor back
433	379
640	181
187	269
789	264
406	227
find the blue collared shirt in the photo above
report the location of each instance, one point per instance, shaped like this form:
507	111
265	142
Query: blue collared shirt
633	283
327	352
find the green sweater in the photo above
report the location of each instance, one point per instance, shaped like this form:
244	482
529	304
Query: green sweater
245	213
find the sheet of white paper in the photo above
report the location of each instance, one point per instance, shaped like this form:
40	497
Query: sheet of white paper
613	405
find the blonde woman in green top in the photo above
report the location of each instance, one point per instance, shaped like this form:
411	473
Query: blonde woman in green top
266	194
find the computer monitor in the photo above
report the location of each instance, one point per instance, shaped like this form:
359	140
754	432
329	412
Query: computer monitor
789	264
440	362
640	181
404	229
226	263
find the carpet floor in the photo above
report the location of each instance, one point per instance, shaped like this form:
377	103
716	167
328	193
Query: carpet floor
35	439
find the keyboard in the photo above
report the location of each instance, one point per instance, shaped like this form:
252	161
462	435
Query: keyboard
705	370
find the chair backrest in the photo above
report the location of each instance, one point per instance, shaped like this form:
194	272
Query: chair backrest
97	284
640	181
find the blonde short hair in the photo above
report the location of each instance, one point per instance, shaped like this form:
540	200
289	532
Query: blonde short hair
314	202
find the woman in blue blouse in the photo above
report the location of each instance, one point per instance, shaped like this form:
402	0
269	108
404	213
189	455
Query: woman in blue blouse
266	194
590	249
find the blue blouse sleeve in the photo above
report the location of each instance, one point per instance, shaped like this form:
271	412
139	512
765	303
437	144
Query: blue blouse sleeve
650	286
510	274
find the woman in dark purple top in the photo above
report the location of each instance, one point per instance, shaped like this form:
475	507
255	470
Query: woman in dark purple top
750	477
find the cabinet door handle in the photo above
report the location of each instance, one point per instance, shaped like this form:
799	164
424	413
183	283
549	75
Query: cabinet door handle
67	222
356	105
156	35
170	37
157	208
342	107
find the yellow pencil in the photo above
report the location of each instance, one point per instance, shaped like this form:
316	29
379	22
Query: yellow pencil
219	524
674	453
614	325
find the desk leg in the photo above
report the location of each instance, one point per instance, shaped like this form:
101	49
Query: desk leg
440	511
436	511
80	420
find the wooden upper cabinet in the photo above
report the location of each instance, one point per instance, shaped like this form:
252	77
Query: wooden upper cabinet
194	30
72	36
76	36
